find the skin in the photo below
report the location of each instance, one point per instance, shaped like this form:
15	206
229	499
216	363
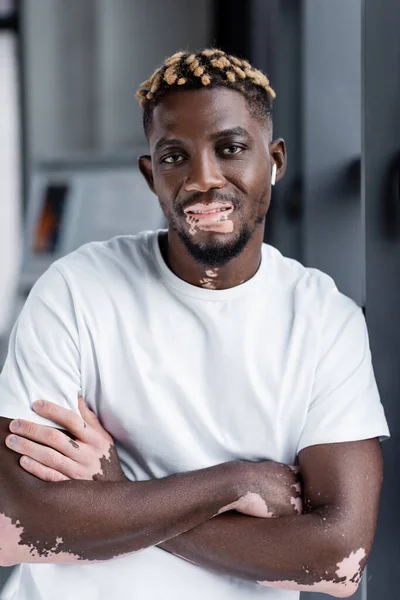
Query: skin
324	548
341	509
130	516
222	153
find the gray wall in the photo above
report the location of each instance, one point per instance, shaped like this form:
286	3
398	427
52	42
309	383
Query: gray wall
133	39
59	55
333	223
276	48
333	233
85	61
381	84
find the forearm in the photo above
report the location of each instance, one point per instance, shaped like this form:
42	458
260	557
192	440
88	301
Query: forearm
294	552
82	520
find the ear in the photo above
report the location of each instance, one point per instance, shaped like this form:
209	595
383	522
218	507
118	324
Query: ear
146	170
277	151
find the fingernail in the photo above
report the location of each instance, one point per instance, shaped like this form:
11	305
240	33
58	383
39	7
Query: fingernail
38	404
14	425
25	460
11	440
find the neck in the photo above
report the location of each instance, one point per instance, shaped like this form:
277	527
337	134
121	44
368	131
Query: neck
237	271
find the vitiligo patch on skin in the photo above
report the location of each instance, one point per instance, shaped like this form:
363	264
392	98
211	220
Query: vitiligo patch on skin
192	222
350	567
295	469
344	583
28	553
297	504
297	487
250	503
26	541
297	501
207	283
223	225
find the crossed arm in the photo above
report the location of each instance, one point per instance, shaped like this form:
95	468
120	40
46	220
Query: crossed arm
324	549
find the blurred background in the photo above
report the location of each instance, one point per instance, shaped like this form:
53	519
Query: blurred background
70	133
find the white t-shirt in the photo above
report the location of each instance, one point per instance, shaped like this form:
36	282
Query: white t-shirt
184	378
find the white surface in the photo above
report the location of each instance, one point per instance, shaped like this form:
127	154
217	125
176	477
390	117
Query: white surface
108	203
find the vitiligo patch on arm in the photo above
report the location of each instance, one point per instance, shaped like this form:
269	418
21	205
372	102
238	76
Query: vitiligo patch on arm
344	582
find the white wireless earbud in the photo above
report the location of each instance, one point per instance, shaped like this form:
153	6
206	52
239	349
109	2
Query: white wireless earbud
273	174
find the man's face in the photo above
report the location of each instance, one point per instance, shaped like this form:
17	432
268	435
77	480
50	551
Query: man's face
210	168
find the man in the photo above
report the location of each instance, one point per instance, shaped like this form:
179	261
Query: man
213	363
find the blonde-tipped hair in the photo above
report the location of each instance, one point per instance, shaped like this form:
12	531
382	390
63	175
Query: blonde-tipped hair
206	69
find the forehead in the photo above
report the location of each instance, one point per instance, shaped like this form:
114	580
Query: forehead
188	113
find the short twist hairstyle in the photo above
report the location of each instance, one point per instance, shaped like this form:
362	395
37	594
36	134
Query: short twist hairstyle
209	68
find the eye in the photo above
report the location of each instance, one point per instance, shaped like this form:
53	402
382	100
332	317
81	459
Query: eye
172	159
232	149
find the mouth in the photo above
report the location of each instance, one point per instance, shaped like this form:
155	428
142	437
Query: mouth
210	213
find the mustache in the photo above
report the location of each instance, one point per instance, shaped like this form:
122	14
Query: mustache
212	196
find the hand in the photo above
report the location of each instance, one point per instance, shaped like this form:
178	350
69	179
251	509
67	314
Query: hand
270	490
90	454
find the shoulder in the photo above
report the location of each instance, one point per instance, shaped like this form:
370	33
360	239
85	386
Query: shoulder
120	249
311	290
94	271
107	261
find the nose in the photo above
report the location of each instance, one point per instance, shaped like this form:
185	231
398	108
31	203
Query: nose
204	174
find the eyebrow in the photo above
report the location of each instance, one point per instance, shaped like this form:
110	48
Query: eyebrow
165	141
232	132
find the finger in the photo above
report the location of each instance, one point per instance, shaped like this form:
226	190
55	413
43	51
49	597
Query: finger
64	417
40	471
91	418
48	436
88	415
45	456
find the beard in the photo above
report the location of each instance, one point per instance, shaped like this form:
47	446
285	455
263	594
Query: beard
216	254
213	253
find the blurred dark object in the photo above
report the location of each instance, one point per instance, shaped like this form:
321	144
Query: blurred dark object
351	182
391	204
293	200
49	222
232	26
9	15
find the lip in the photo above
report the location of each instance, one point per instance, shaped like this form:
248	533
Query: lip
209	213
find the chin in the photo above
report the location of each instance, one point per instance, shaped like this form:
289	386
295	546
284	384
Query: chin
215	249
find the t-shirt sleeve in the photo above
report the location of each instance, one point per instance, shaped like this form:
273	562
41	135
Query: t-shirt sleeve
43	360
345	404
